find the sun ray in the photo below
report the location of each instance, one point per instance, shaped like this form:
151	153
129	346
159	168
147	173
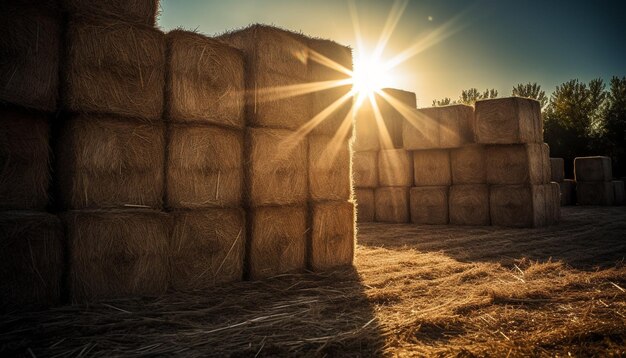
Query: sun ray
410	114
279	92
393	18
339	139
323	60
383	133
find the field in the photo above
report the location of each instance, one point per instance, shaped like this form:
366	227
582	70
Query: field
435	291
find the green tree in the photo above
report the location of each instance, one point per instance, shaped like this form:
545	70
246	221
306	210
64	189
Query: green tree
572	119
613	126
531	90
470	96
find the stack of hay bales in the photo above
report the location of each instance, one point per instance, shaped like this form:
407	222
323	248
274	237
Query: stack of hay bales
297	183
594	181
382	168
31	239
517	163
204	109
110	150
567	186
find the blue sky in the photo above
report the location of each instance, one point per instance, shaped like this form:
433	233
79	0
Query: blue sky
488	43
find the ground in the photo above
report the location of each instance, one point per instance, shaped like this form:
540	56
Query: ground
414	291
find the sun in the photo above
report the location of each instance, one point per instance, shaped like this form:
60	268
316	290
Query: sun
369	76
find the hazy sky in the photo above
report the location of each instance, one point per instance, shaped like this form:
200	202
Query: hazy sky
487	43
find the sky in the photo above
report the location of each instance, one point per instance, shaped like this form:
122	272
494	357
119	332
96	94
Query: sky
456	44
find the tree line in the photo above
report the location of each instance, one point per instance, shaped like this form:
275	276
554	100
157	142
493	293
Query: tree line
579	119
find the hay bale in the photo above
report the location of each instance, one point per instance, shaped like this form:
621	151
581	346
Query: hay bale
276	72
431	167
516	164
512	120
24	160
593	169
365	169
366	131
365	205
329	169
468	165
553	203
546	166
277	241
114	67
326	60
455	125
207	248
134	11
421	129
395	167
276	168
519	205
567	187
31	259
30	45
392	204
469	204
557	169
618	192
117	253
205	82
394	117
332	235
106	162
595	193
429	205
204	167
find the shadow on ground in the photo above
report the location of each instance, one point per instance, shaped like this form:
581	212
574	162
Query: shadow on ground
586	238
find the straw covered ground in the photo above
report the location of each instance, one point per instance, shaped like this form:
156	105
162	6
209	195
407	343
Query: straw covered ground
435	291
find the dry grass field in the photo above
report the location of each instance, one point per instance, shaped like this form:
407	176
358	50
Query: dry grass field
427	291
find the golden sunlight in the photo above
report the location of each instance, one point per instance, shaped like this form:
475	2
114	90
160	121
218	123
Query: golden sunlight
369	76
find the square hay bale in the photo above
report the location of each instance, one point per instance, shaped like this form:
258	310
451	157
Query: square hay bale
392	204
114	67
330	61
421	129
511	120
567	187
429	205
277	240
205	81
365	169
469	204
276	167
276	73
618	192
394	117
207	248
516	164
365	205
553	203
593	169
595	193
332	235
432	167
103	161
468	165
455	125
204	167
329	168
395	167
134	11
117	253
557	169
545	163
519	205
30	46
31	259
366	132
24	160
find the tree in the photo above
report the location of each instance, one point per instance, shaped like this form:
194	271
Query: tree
613	126
441	102
531	90
472	95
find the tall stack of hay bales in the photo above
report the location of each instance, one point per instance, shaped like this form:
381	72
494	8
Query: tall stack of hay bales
382	169
297	183
31	239
204	110
110	150
566	186
594	177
